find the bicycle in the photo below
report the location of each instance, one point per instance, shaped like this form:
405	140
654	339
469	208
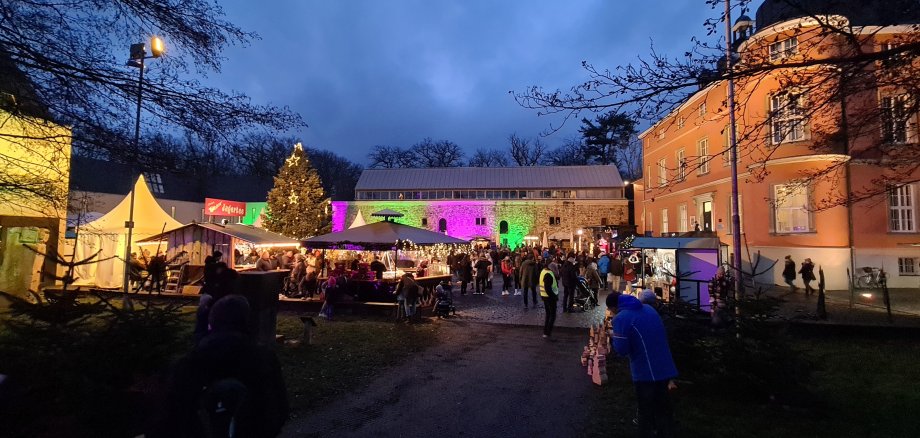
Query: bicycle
869	279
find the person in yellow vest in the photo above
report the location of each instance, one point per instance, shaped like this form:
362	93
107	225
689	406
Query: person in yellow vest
549	291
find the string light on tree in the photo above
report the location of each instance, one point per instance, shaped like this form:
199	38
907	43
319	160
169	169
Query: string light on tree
297	202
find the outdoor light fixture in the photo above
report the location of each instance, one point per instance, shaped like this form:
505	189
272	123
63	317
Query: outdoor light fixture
136	59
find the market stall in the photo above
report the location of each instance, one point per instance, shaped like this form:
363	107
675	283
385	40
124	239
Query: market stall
685	264
107	235
398	247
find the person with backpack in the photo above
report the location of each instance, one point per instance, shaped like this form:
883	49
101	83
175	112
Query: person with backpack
227	382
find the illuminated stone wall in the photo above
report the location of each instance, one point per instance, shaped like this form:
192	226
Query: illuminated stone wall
523	217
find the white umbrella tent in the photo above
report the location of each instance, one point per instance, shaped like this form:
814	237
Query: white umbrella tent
108	234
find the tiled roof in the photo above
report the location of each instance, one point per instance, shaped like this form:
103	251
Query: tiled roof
532	177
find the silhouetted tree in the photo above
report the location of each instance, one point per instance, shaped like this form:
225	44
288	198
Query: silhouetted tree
441	153
488	158
572	153
526	152
390	157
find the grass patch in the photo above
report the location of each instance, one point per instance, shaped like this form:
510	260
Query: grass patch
346	354
857	386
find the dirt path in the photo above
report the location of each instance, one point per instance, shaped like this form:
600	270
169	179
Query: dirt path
482	380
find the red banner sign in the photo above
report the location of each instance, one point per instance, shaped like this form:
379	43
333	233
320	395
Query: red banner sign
222	207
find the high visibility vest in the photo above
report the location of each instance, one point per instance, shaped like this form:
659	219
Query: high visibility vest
542	286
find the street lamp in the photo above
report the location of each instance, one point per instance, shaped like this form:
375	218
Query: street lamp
138	55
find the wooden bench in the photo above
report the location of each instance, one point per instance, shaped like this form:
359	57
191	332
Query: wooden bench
380	305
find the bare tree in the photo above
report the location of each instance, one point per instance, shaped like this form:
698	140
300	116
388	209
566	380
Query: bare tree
857	86
63	64
441	153
488	158
526	152
390	157
572	153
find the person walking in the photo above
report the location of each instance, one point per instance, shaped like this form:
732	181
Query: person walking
518	259
507	276
603	267
615	273
639	335
808	275
466	273
482	274
549	292
569	276
789	273
528	279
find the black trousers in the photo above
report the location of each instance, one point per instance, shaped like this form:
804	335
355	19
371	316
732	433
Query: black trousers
517	280
655	412
463	284
507	282
481	281
568	297
532	290
550	305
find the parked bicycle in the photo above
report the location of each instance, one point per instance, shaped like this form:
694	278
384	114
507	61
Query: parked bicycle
870	278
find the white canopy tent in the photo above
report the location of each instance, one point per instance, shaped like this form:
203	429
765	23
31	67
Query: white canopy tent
359	221
108	234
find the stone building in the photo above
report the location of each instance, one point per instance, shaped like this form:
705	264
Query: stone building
508	205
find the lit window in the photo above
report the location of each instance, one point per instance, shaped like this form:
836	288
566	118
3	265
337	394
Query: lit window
895	119
702	148
784	48
901	209
790	208
154	182
787	117
907	266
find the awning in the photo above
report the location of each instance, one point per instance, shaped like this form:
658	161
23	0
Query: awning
676	242
381	235
246	233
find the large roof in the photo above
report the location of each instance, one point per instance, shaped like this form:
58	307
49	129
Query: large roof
100	176
246	233
531	177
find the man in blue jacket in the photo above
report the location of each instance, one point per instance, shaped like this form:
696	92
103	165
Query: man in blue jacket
639	335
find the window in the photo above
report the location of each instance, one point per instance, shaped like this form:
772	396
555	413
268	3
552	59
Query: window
790	207
554	220
702	110
907	266
682	218
787	117
702	148
442	225
680	122
480	221
901	209
648	177
726	146
784	48
503	227
740	214
664	220
603	221
663	172
424	221
895	117
154	182
681	165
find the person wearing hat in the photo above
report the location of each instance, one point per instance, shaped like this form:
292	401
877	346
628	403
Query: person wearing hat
789	273
507	276
808	274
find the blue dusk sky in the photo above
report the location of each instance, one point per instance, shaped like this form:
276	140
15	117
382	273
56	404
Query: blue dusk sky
393	72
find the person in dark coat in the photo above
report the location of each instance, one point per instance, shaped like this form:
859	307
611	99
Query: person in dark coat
808	275
529	273
378	267
465	272
789	273
227	353
569	274
482	274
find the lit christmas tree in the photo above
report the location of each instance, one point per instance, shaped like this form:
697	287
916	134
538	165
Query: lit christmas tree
297	205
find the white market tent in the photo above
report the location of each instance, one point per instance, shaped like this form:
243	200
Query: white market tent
108	234
359	221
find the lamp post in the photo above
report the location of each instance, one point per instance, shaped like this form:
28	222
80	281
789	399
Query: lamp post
138	55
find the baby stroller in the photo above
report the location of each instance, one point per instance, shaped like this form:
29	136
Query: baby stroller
444	301
584	296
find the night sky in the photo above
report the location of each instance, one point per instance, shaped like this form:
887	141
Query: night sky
364	72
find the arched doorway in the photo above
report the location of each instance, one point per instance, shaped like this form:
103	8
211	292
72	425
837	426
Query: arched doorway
442	225
503	227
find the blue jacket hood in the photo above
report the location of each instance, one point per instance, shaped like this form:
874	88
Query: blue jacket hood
628	302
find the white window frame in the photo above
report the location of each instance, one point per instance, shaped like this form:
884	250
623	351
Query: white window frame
896	120
702	149
154	183
681	121
683	223
787	117
902	209
796	217
664	220
681	165
649	179
783	49
701	110
662	172
740	214
726	146
907	266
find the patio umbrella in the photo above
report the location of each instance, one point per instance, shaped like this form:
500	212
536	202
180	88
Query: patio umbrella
383	235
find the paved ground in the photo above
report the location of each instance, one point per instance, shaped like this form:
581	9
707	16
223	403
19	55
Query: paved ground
481	380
